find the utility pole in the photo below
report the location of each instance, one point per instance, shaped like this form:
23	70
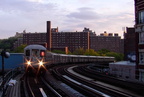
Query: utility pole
4	54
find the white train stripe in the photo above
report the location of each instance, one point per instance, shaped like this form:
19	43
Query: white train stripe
43	93
35	81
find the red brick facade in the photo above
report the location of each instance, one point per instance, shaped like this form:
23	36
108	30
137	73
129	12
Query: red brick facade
139	29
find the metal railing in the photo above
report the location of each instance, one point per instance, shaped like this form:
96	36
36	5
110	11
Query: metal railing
9	75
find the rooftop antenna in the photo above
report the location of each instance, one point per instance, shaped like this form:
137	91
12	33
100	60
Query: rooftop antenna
123	29
24	31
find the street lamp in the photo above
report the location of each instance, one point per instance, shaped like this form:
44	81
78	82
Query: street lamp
4	54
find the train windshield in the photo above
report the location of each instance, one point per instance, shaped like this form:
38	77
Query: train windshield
35	52
27	52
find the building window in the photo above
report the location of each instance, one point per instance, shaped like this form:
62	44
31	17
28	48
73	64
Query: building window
141	78
141	37
141	17
141	57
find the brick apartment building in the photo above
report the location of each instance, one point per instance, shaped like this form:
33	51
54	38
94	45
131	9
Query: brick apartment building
129	43
139	29
18	42
108	41
61	40
30	38
53	39
72	40
34	38
85	39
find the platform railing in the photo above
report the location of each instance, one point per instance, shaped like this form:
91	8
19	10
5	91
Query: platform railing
9	75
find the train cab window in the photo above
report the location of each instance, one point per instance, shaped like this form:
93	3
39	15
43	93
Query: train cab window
35	52
42	53
27	52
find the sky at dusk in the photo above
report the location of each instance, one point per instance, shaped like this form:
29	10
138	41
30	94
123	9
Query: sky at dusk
68	15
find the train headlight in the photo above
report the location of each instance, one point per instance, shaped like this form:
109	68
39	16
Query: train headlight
40	63
28	62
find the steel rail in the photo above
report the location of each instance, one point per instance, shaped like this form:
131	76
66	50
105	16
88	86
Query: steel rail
107	88
29	88
52	89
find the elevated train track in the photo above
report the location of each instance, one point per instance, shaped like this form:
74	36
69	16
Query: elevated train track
127	87
93	87
38	87
37	59
84	86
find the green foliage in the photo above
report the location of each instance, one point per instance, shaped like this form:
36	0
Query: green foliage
103	52
118	56
20	49
91	52
7	43
70	53
58	51
79	51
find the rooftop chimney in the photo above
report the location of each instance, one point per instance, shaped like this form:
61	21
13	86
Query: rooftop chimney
48	35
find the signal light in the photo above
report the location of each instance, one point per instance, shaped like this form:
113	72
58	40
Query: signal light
5	54
42	53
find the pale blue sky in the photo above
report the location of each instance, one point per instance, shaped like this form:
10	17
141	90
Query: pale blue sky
68	15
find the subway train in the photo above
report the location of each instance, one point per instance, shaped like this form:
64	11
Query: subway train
34	58
37	58
54	58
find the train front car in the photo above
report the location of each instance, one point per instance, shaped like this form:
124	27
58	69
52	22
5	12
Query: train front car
34	56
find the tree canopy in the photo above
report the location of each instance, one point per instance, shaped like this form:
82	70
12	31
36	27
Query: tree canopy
58	51
20	49
7	43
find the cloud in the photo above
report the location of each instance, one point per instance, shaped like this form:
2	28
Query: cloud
39	1
99	22
24	10
84	13
88	14
15	6
17	15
